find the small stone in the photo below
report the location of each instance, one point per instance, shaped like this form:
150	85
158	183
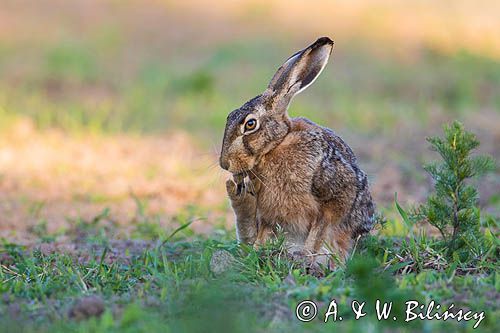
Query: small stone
221	261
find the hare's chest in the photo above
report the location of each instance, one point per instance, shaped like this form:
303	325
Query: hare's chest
285	196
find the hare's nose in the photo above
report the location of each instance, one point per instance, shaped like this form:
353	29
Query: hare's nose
224	163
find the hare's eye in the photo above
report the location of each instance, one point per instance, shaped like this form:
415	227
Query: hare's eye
250	124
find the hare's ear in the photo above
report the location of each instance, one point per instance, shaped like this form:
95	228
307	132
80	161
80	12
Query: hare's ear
300	70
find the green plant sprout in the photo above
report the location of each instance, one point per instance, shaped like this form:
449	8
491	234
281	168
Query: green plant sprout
453	207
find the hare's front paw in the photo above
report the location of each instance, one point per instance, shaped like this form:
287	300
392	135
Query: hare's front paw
240	191
244	205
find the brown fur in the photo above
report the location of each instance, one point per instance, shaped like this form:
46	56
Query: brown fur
291	174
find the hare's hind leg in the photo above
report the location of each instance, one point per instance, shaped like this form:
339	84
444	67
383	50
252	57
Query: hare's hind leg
316	237
327	241
318	246
340	242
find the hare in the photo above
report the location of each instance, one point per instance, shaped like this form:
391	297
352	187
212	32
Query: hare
291	174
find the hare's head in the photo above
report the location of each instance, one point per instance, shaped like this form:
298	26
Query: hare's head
261	123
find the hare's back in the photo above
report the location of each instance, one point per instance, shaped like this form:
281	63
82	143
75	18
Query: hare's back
329	140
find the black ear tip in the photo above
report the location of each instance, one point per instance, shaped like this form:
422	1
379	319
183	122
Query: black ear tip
323	41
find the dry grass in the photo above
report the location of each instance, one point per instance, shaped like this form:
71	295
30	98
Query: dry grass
95	202
58	178
390	25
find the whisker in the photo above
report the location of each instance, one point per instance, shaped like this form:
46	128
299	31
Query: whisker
258	178
252	187
215	149
244	185
263	183
264	177
212	166
218	178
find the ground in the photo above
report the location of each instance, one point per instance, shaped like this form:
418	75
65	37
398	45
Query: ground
111	119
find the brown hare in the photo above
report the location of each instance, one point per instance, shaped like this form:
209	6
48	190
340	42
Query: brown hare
291	174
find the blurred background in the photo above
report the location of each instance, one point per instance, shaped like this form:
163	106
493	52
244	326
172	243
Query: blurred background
122	104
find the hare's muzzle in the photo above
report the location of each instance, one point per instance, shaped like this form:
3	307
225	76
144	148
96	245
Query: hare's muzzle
224	162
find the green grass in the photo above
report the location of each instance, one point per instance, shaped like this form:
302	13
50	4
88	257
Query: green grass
167	284
162	281
360	92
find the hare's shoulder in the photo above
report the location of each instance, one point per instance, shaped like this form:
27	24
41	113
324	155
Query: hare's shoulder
330	141
336	175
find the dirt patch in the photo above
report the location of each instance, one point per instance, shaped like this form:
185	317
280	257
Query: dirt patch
114	251
61	179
